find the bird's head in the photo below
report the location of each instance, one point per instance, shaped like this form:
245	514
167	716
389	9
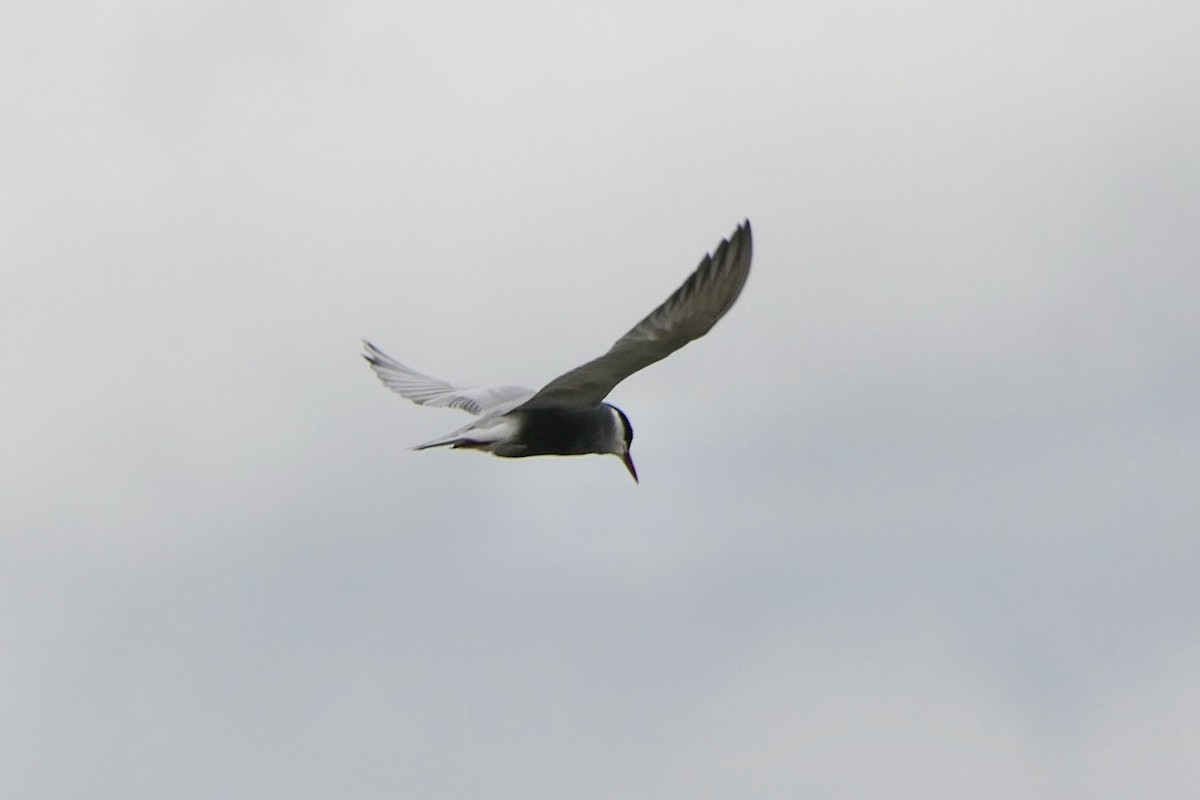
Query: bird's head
621	440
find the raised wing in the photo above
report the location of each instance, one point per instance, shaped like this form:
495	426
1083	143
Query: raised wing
427	391
686	315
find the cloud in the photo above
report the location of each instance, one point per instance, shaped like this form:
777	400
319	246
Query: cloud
917	517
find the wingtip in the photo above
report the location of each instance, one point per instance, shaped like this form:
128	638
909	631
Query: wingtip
370	353
745	237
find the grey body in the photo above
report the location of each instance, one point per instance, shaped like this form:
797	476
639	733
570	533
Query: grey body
567	416
562	431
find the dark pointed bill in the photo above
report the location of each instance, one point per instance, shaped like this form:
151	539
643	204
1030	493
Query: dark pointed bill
628	459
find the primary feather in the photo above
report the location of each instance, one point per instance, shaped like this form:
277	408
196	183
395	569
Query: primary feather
689	313
426	391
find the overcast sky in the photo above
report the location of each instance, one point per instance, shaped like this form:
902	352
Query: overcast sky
918	519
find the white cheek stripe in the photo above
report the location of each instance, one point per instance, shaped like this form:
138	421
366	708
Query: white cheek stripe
618	443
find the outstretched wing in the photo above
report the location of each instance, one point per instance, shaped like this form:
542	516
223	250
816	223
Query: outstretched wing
427	391
686	315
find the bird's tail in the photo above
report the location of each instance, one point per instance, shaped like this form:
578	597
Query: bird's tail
460	440
452	440
482	435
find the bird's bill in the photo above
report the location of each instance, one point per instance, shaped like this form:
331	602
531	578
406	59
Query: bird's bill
628	459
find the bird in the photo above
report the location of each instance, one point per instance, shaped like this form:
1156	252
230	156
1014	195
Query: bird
568	416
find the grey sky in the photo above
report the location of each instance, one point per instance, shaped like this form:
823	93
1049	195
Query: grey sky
918	519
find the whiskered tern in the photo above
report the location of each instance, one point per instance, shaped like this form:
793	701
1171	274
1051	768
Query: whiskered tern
568	416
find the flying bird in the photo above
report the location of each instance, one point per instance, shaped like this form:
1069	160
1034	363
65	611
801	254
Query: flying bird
568	416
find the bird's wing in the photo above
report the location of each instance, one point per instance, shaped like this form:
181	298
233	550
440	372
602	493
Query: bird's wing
427	391
687	314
